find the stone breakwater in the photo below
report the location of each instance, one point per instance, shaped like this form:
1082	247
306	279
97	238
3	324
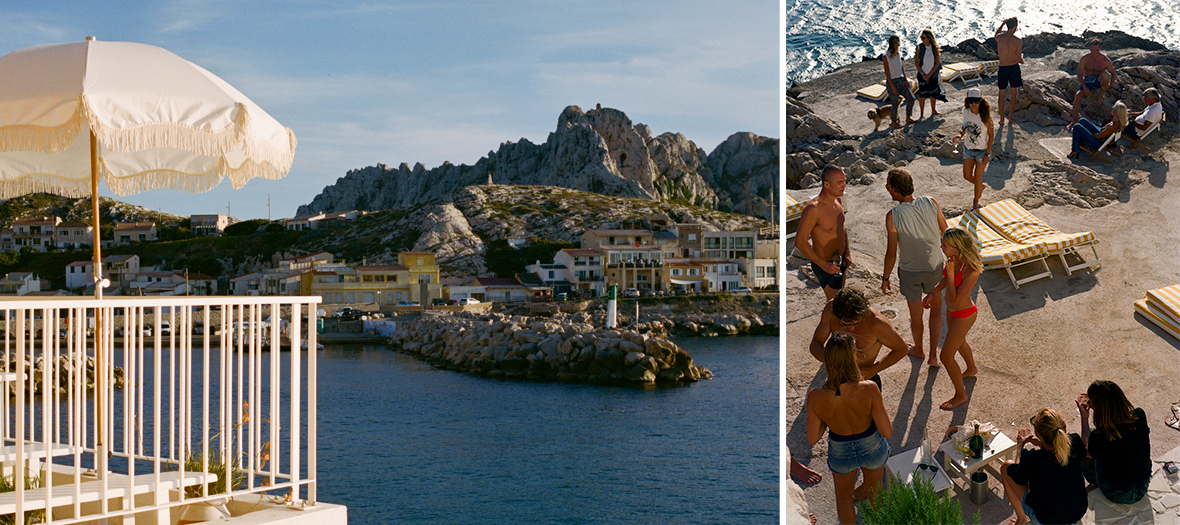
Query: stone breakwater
60	376
545	349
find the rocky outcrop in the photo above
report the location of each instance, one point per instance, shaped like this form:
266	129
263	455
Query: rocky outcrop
519	347
63	373
599	151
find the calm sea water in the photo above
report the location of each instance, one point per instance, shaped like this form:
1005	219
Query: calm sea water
401	442
822	35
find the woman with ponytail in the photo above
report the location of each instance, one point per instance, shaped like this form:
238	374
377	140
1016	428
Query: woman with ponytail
1045	485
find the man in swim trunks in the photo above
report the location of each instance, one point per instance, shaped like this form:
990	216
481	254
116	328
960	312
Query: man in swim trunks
850	312
913	231
1009	47
822	222
1095	73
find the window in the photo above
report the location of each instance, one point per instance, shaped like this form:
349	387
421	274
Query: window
367	279
423	278
420	263
675	272
550	274
692	236
339	298
142	237
760	272
351	297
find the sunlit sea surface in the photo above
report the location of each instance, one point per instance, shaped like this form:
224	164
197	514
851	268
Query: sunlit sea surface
402	442
822	35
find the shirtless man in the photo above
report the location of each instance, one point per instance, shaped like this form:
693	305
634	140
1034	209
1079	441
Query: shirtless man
1009	46
1095	72
850	312
823	223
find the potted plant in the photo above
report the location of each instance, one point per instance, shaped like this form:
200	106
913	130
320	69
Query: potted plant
913	503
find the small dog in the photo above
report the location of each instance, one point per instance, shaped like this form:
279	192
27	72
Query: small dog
878	116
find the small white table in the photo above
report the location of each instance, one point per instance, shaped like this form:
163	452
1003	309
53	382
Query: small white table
904	464
995	448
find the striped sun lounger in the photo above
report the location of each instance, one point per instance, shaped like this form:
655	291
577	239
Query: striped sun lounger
877	92
1162	307
991	67
999	252
1016	223
962	71
793	210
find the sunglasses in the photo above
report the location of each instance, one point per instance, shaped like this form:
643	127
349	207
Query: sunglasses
974	100
924	466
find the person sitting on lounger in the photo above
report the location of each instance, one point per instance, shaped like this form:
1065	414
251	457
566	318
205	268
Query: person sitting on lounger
1045	485
1086	133
1151	114
1119	449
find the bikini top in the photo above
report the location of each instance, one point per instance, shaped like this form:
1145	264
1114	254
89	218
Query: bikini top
958	275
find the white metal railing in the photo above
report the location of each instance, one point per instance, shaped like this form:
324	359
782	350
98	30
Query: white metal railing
155	418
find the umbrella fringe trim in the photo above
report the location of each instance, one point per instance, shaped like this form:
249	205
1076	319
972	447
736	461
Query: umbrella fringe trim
211	143
188	182
45	183
43	139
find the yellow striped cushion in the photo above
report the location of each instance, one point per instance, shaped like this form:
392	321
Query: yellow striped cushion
991	66
1146	309
1166	300
968	70
993	247
792	206
1016	223
873	92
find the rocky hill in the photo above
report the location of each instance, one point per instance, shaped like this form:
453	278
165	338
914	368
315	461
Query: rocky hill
458	227
68	209
599	151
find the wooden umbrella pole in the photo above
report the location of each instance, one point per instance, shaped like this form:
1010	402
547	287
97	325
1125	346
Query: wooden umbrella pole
99	368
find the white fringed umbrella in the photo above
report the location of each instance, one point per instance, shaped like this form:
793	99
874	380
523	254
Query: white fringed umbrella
133	115
136	116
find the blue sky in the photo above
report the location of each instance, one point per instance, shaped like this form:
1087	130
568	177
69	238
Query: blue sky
434	81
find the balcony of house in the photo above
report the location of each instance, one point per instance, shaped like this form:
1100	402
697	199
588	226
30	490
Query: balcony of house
163	410
635	263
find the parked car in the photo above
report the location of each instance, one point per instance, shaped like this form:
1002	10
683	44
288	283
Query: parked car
347	314
438	302
468	300
408	303
562	296
165	327
647	293
743	289
631	292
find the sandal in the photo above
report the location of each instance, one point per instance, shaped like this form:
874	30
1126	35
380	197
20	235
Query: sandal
1173	422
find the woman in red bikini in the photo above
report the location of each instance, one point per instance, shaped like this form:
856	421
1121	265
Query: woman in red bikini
962	258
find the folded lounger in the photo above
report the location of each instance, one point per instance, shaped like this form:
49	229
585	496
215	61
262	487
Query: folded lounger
991	67
793	210
999	252
1162	307
1014	222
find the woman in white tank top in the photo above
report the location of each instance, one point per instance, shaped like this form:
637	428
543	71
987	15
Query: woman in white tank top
897	83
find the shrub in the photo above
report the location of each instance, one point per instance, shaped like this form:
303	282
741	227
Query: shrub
913	503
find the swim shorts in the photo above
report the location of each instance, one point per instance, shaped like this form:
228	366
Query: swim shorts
1009	76
828	280
870	452
1092	83
916	284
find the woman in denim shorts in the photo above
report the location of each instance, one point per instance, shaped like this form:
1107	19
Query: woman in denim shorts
977	150
852	411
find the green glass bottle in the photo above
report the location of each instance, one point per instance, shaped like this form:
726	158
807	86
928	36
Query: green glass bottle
976	444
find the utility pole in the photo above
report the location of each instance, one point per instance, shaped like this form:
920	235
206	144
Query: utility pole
268	207
229	209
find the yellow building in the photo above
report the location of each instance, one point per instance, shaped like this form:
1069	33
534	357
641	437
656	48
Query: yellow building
414	278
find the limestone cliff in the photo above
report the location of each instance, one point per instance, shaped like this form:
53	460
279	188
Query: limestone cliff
599	151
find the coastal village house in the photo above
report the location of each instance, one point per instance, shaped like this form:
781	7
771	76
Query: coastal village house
175	282
208	225
73	235
303	222
129	232
34	232
584	269
19	283
554	276
414	278
246	284
687	276
500	289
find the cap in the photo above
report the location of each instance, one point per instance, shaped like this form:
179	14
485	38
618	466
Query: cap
974	93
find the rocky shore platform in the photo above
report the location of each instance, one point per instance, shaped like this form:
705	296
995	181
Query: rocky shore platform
697	315
1036	346
546	349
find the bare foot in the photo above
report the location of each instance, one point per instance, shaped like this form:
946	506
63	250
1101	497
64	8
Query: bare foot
933	113
895	125
971	372
1017	521
804	474
933	362
812	518
1001	121
953	402
974	206
1069	127
917	352
909	120
1072	155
